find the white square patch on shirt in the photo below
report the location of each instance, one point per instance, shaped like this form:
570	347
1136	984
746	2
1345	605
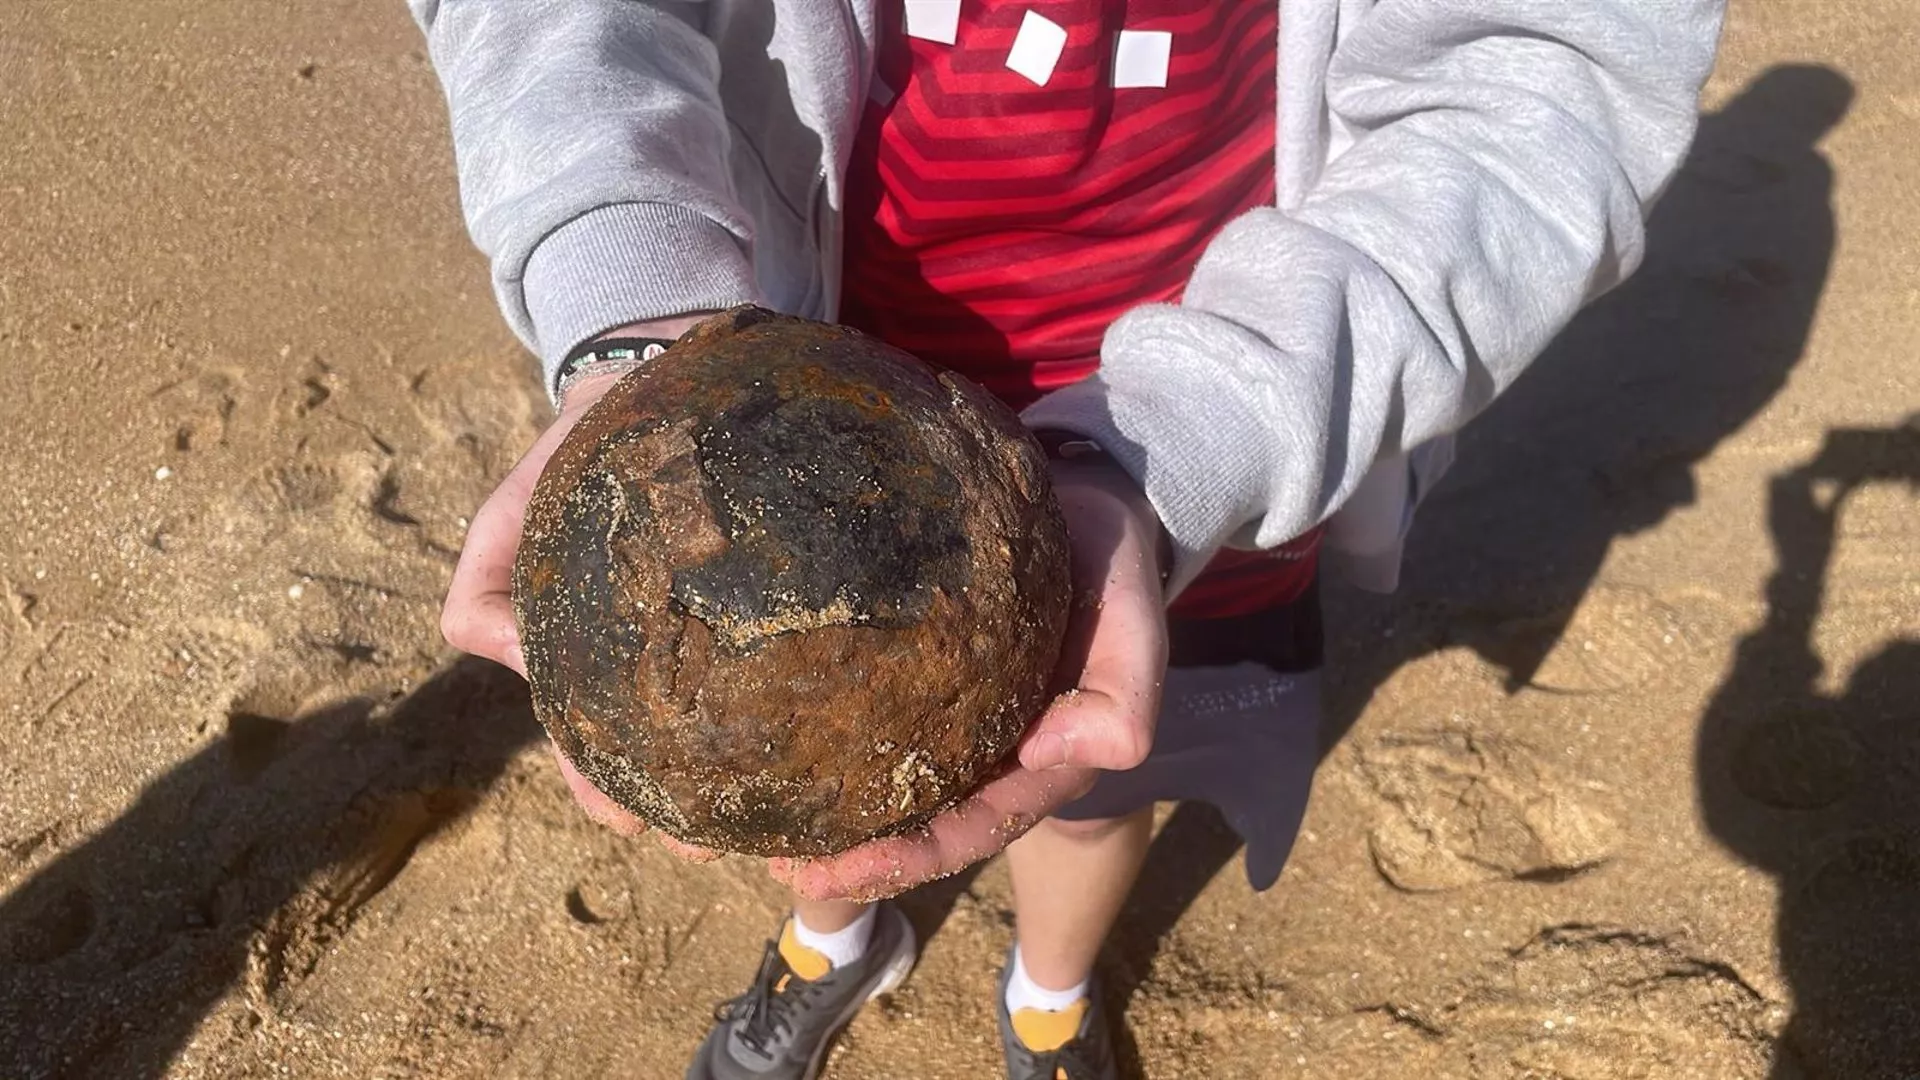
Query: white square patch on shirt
1141	58
1037	48
934	20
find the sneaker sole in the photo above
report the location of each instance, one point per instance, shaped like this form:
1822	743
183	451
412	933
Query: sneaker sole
899	966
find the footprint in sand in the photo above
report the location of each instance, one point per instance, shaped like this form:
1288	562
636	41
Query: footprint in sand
1458	809
488	416
356	493
377	837
1618	639
259	717
401	480
205	404
300	488
1578	1000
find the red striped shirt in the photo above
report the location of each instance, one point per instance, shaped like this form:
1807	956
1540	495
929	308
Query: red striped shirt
999	222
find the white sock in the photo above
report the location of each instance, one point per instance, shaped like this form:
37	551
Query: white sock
843	946
1024	993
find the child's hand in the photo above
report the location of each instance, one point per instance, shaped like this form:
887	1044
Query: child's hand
478	615
1116	659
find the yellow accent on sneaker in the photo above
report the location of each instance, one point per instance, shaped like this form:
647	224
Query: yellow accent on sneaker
1041	1031
807	963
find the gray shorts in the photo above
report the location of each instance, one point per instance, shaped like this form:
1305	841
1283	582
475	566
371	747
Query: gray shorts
1239	728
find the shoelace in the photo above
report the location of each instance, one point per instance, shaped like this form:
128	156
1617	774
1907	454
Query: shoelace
1076	1061
763	1013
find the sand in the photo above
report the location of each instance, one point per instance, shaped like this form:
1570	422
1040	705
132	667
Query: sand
1624	783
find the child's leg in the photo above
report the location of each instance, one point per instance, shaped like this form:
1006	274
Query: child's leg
838	930
1070	879
827	916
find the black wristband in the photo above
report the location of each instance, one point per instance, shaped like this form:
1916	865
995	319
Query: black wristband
605	350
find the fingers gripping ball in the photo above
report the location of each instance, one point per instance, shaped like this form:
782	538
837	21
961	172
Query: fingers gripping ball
786	589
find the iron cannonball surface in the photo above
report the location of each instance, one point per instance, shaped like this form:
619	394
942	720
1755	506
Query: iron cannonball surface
786	589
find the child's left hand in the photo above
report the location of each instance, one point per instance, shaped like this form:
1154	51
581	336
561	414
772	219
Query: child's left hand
1116	657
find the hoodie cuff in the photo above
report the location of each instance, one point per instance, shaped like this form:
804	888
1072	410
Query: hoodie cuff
627	263
1192	495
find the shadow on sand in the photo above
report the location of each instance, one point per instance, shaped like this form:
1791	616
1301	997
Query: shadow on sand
114	952
1598	441
238	864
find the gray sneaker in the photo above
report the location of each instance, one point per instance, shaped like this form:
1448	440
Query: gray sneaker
1076	1043
781	1028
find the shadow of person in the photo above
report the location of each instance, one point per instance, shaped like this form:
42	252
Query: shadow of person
1597	441
1824	791
238	863
1600	438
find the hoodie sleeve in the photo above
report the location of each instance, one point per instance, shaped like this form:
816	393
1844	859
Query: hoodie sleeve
1503	157
589	133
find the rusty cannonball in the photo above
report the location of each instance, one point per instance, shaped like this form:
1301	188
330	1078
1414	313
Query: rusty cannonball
786	589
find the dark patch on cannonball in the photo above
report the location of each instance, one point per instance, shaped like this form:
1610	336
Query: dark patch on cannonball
830	504
786	588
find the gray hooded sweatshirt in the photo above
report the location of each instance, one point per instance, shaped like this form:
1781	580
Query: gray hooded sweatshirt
1456	179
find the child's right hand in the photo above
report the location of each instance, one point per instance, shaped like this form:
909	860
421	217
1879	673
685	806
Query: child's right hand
1116	663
